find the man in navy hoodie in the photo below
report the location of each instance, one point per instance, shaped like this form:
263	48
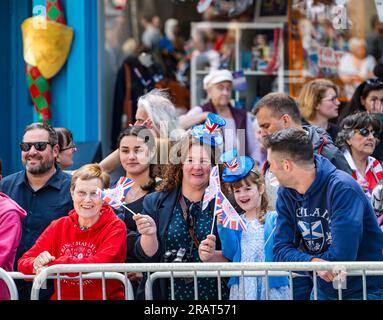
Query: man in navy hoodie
324	209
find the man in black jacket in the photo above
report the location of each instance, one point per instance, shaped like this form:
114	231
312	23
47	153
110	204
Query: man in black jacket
278	111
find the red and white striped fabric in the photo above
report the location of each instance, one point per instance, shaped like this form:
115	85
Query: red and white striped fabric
372	175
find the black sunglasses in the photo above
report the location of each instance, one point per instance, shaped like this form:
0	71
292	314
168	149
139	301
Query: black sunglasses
71	146
39	146
366	132
374	82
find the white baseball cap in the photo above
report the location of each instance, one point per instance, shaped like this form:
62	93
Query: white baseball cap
217	76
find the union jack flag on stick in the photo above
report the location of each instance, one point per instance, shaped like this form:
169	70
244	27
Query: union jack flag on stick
213	187
230	217
115	195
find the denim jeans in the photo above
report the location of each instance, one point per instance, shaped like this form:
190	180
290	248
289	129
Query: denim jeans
375	295
302	287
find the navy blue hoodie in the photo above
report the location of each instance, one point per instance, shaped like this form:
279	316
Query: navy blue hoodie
336	223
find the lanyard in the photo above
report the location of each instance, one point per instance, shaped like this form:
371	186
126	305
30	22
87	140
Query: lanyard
139	75
189	220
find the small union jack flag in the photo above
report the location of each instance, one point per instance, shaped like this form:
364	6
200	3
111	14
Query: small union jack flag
117	193
213	187
210	126
233	165
230	218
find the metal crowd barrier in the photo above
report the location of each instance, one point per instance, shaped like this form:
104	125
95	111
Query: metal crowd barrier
9	278
156	271
6	277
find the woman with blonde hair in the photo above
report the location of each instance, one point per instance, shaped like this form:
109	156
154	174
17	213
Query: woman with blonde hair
91	233
318	103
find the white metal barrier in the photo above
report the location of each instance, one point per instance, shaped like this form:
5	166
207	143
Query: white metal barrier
219	270
6	277
197	270
9	278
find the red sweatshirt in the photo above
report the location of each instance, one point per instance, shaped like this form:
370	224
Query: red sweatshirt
104	242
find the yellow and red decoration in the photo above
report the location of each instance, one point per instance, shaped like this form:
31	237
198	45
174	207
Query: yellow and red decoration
47	42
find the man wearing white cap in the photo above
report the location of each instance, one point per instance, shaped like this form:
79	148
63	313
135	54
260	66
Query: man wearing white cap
238	132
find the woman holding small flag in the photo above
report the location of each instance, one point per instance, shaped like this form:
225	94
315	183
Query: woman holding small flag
173	226
91	233
255	242
137	149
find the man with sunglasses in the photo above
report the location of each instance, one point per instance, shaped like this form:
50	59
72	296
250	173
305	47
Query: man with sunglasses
41	189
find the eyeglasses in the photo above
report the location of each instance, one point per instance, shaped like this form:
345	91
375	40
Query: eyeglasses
82	194
374	82
39	146
366	132
333	99
71	146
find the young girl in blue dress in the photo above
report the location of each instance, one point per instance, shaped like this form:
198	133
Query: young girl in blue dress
255	244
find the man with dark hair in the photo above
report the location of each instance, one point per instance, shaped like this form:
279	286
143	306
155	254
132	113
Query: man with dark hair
323	214
41	189
277	111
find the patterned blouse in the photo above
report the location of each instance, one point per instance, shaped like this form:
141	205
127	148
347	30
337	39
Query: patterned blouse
178	237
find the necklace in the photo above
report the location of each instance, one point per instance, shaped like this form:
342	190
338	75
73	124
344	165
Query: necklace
133	195
83	228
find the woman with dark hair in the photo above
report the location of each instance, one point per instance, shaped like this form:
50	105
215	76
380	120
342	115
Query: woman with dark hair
368	96
357	138
67	147
173	218
136	149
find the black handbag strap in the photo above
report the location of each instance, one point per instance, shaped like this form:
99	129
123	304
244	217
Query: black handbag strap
189	220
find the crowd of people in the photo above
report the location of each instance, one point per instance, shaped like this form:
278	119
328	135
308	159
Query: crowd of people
304	174
302	184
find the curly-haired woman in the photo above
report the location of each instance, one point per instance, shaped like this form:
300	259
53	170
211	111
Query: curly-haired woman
173	219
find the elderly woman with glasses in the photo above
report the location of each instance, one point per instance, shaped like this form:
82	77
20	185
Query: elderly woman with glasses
368	97
91	233
318	103
238	132
357	138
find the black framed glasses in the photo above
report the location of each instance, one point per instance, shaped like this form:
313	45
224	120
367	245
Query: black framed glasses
366	132
71	146
39	146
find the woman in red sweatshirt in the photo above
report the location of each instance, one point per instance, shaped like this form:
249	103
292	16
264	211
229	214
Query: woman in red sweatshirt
91	233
